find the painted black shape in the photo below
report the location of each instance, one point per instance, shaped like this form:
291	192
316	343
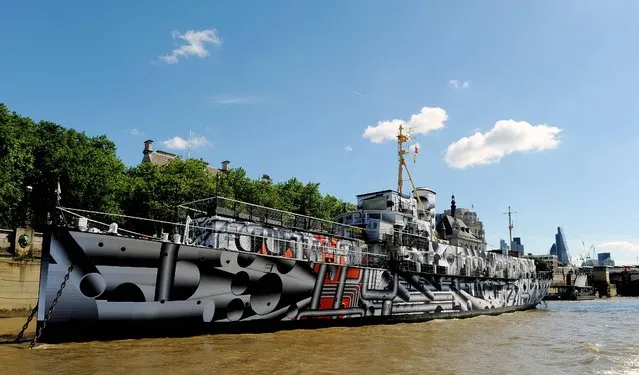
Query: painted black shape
240	283
319	284
92	283
284	266
245	259
46	249
339	291
166	271
126	292
266	293
235	310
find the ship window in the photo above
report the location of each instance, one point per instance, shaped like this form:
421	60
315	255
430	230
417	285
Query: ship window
377	203
374	216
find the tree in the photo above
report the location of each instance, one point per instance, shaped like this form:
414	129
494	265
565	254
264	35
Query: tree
89	171
154	191
92	177
16	160
90	174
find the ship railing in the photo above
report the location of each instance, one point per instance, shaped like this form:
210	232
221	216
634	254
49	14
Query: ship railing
400	238
187	233
220	206
289	248
544	275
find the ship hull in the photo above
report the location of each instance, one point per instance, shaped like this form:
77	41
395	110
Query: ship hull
130	288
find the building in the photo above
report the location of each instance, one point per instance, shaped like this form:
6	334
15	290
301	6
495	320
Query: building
517	246
605	259
461	227
503	246
475	226
163	158
560	247
551	262
553	250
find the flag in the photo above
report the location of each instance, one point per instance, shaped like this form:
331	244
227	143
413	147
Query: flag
415	152
58	191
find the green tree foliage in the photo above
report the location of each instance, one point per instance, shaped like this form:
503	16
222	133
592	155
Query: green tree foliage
90	173
93	178
16	160
154	191
38	154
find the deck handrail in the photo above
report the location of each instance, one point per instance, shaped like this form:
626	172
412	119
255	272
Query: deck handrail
232	204
322	252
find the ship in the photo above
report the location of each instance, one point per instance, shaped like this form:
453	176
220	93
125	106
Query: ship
234	267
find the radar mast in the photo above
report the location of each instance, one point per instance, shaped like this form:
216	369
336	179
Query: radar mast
401	139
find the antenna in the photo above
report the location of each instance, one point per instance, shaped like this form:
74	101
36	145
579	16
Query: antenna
510	225
401	139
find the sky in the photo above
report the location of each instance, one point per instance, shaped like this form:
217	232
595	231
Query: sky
528	105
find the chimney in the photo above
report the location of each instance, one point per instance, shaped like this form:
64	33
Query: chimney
148	146
225	165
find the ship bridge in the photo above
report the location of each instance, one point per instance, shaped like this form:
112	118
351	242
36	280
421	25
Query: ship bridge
386	212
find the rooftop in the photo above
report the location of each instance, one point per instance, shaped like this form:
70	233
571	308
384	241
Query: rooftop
160	157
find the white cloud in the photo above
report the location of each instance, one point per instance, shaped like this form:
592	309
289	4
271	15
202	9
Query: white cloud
618	245
506	137
231	99
180	143
348	149
427	120
457	84
622	252
196	44
357	93
135	132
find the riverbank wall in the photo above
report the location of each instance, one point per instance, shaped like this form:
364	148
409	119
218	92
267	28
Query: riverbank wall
19	277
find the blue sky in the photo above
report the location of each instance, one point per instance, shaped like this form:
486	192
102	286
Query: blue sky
287	87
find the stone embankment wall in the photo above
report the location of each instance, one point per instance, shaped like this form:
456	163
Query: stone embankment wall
18	285
5	238
18	278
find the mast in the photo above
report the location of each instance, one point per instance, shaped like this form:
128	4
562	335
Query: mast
401	139
510	226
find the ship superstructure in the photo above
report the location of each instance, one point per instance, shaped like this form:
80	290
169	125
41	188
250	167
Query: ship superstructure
238	266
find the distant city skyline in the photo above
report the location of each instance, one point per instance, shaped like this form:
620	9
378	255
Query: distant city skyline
504	111
503	246
518	246
560	247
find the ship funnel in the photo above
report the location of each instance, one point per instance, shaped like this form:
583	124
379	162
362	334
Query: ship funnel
427	197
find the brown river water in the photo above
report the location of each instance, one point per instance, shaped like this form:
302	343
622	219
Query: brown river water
586	337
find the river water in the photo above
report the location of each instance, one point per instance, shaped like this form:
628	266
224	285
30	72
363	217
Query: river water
586	337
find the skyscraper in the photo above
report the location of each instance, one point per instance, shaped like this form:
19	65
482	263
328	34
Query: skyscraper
563	255
503	246
517	246
605	259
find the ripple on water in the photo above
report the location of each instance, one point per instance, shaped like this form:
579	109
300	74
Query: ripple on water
587	337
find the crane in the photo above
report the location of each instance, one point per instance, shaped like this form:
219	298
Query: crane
585	256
